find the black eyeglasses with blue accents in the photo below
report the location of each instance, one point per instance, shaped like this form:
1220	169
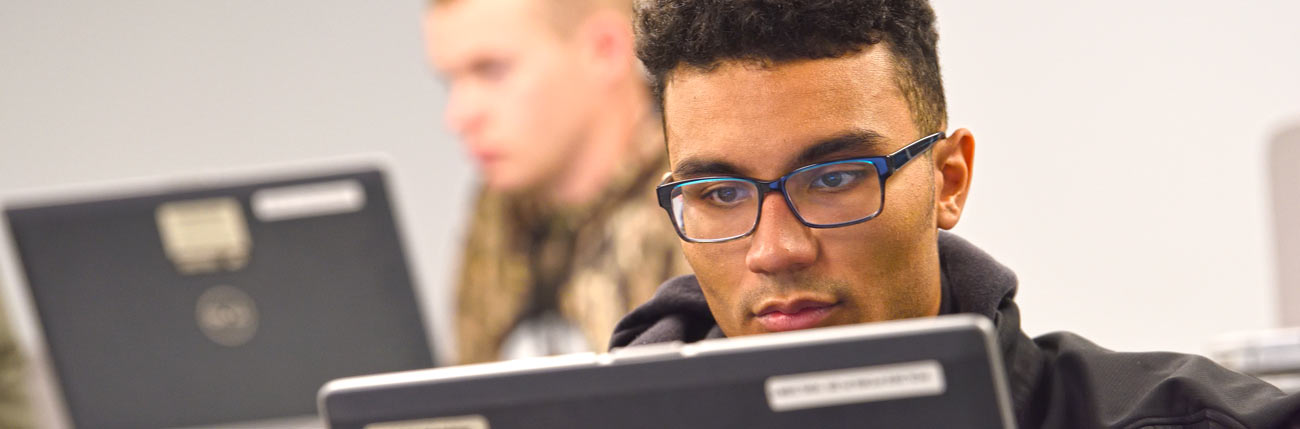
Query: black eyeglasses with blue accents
825	195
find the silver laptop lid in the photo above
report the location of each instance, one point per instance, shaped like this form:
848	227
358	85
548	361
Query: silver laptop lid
935	372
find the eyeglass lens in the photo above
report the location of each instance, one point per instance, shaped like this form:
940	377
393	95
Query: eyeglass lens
826	194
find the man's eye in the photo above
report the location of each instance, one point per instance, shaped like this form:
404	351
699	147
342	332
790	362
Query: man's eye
725	195
836	179
490	70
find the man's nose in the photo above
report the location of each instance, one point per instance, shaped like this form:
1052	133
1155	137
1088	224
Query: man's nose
780	243
464	114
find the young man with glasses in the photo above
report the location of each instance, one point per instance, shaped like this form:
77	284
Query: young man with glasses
811	178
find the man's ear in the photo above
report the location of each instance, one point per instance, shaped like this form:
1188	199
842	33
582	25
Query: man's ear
608	45
954	161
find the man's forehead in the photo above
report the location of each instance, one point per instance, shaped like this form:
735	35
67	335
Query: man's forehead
458	29
764	116
488	8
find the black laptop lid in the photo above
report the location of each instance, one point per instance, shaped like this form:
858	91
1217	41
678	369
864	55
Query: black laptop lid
306	293
934	373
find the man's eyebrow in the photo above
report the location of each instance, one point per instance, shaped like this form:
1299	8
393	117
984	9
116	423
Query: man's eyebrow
691	168
859	140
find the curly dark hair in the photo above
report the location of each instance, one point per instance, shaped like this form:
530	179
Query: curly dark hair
703	33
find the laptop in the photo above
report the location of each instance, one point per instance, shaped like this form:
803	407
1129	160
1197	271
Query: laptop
213	302
920	373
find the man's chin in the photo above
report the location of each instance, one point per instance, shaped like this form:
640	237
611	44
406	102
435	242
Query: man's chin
503	181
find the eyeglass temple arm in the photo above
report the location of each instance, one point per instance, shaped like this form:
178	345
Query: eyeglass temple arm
902	156
666	178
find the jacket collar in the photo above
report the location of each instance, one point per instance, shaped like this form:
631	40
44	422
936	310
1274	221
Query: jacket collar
979	284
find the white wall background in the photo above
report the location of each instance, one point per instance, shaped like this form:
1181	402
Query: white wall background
1120	158
1120	163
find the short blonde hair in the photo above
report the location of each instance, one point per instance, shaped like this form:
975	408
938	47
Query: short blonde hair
564	15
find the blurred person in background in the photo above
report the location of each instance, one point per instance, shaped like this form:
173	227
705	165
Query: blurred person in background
565	237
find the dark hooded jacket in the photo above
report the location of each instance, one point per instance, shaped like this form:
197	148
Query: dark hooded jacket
1058	380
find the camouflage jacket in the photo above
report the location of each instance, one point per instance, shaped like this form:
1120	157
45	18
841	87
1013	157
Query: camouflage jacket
15	409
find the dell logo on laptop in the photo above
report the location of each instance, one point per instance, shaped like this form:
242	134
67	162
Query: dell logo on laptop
227	316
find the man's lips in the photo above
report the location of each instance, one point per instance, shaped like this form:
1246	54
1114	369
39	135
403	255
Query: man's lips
482	150
777	316
485	156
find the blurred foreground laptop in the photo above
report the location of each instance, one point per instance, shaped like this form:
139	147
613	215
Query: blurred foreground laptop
924	373
213	303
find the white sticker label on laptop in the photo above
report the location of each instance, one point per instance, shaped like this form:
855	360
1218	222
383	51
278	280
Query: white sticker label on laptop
461	422
316	199
856	385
